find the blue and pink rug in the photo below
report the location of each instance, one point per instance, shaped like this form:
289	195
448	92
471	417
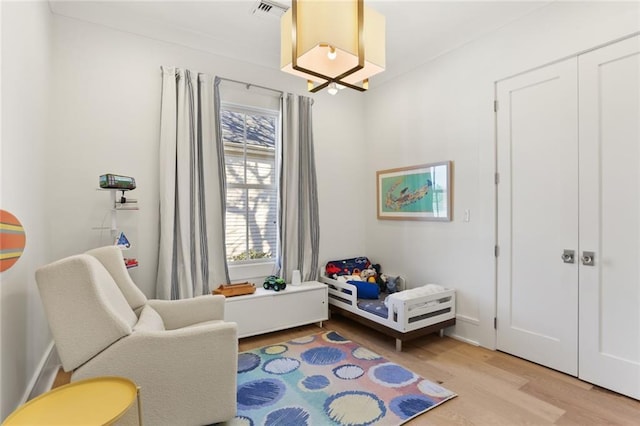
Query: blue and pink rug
325	379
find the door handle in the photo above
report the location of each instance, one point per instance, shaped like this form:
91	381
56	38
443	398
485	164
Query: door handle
588	258
568	256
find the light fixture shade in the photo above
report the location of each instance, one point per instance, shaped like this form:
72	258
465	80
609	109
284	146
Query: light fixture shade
324	24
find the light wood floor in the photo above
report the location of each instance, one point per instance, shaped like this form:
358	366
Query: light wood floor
493	388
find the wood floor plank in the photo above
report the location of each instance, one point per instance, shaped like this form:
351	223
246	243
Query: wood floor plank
532	371
503	387
585	406
462	363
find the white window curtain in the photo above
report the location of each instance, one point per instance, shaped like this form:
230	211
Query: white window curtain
299	219
191	259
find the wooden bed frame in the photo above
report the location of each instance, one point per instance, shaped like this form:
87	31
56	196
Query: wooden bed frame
399	336
407	319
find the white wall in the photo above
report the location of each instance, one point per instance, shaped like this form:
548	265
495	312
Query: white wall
444	111
26	70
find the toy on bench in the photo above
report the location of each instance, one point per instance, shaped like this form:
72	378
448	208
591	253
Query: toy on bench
238	289
274	282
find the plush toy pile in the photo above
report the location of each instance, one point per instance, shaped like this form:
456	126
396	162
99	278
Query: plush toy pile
367	277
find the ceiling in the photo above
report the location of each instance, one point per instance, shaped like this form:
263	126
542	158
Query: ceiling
417	31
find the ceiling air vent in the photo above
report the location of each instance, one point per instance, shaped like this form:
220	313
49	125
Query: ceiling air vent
269	8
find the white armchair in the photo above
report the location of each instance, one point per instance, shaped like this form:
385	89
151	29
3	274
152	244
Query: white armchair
181	353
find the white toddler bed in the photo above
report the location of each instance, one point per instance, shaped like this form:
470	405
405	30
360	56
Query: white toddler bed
404	315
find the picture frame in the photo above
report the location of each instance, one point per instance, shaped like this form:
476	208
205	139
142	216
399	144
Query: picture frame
421	192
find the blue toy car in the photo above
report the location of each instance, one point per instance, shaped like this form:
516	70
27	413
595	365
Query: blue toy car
275	283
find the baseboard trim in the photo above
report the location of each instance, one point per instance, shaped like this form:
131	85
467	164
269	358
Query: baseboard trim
468	320
44	375
464	339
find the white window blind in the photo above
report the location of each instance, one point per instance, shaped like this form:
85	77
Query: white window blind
250	137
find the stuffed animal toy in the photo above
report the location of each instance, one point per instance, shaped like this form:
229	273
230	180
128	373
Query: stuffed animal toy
382	282
392	284
365	274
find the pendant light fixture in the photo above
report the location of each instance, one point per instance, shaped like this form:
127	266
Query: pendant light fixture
332	43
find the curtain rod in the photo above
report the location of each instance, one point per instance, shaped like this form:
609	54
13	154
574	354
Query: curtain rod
249	85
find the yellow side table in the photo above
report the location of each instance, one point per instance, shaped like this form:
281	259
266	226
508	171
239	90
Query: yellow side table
96	401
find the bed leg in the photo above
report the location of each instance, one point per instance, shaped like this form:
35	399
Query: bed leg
441	332
398	345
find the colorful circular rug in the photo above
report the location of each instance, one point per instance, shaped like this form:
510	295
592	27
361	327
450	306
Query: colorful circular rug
327	379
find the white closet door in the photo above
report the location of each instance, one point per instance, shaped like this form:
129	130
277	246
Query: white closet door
609	87
537	158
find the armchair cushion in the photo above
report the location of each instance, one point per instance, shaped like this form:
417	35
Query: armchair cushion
186	312
149	320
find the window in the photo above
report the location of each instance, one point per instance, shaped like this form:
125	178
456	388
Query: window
250	139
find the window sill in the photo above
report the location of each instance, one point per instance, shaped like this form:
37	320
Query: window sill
255	271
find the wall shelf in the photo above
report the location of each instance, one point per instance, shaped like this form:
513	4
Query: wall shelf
116	205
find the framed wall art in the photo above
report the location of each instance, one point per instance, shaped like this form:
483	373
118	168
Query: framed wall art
420	192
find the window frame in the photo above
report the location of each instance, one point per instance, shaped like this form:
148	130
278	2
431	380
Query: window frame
242	269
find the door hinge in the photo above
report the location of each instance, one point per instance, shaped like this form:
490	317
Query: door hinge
496	250
495	106
496	178
495	323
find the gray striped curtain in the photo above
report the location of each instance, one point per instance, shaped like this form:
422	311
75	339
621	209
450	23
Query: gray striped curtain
191	258
299	219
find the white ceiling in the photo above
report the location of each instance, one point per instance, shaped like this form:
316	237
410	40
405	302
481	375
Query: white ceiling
417	30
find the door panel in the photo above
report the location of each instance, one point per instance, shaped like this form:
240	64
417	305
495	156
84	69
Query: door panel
609	86
537	160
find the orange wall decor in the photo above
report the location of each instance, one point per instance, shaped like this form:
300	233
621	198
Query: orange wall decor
12	240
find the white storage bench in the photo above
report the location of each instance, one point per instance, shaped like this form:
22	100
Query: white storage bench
267	310
406	314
